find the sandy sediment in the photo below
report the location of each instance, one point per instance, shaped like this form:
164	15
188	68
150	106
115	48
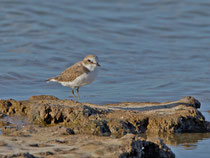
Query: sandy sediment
107	131
35	141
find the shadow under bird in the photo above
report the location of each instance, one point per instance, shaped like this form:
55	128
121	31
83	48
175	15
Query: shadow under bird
80	74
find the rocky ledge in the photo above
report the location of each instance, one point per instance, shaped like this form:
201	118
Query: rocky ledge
114	120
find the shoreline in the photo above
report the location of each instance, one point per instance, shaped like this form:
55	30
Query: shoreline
51	121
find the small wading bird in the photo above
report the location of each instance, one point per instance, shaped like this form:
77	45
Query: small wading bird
80	74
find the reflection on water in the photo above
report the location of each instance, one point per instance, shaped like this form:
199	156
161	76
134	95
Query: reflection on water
185	144
187	140
193	144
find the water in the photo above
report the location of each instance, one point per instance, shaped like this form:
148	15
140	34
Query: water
149	50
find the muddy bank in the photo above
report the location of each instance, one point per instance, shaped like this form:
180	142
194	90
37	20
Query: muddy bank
63	128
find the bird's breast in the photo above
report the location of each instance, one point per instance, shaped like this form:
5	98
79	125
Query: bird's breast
90	77
84	79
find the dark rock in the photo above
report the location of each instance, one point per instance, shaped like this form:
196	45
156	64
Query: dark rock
146	149
88	111
104	129
128	127
207	125
70	131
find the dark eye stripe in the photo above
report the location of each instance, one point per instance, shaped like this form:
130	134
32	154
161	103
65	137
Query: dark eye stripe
90	61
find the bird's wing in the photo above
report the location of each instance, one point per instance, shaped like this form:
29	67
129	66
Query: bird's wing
72	73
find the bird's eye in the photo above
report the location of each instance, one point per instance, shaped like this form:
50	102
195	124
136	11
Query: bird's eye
89	60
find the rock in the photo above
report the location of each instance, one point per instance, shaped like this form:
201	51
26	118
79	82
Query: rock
46	153
191	102
20	155
70	131
4	123
50	141
207	126
2	143
11	107
113	119
2	115
184	119
6	130
43	97
141	148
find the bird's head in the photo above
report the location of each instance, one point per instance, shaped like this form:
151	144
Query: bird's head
91	62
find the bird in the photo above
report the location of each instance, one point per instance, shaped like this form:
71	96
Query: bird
80	74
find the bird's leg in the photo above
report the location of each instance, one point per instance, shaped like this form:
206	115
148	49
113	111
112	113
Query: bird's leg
74	95
78	93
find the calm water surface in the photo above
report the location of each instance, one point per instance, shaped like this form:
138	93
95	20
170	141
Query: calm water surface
149	51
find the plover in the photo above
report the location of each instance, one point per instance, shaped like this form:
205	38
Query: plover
80	74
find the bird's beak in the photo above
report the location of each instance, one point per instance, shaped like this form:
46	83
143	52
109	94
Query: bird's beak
98	64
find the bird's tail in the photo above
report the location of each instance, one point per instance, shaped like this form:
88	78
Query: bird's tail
51	80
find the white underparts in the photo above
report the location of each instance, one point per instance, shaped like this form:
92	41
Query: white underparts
81	80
